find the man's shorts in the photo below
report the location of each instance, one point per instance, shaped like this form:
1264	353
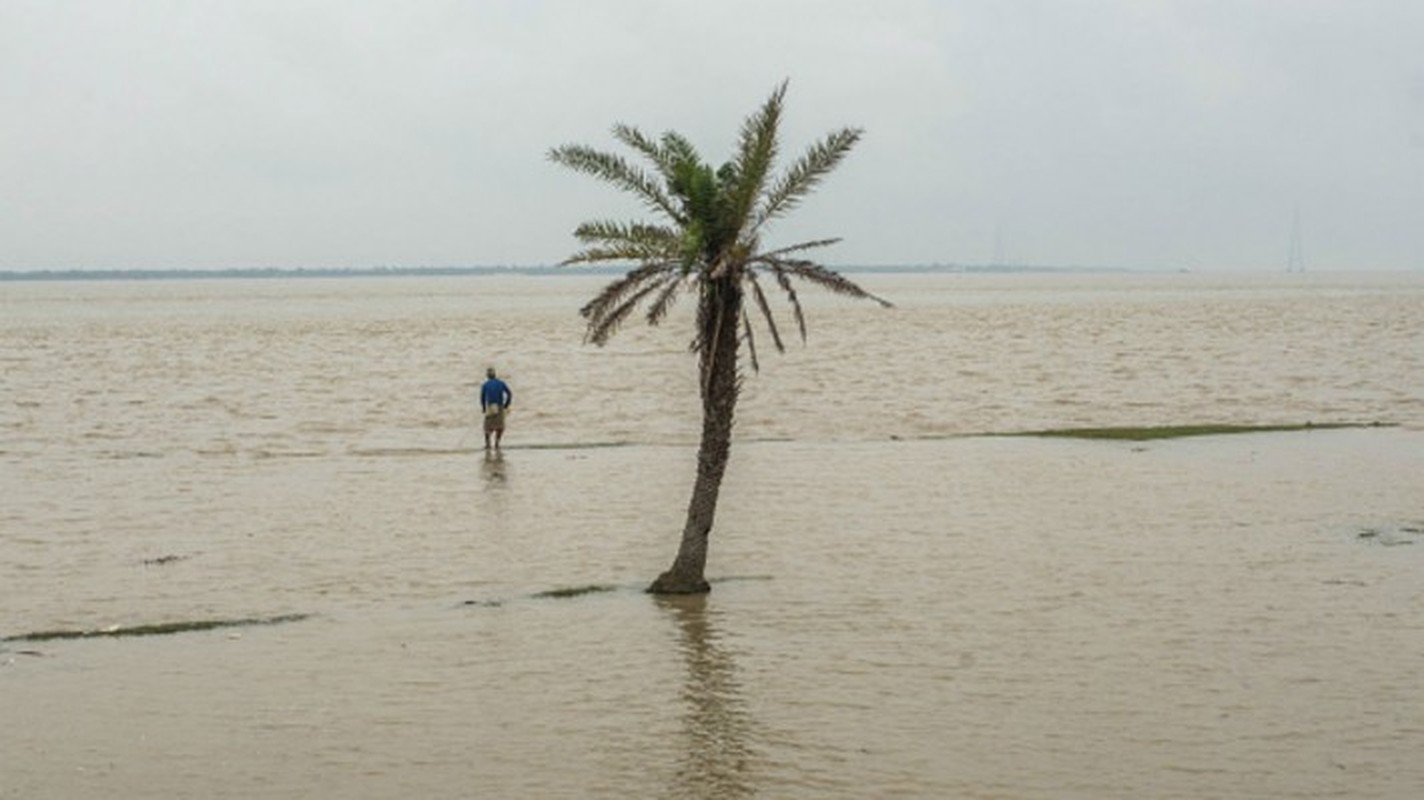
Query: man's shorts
494	417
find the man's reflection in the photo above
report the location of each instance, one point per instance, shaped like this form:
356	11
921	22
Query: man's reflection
493	470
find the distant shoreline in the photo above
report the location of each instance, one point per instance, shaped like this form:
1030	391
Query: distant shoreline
387	272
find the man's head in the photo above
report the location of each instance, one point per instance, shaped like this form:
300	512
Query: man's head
489	373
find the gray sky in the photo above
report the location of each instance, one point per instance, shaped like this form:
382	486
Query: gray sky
324	133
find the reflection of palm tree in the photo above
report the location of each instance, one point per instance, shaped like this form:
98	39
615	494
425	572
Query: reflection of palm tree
717	763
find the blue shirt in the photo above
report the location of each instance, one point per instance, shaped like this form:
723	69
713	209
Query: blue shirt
495	391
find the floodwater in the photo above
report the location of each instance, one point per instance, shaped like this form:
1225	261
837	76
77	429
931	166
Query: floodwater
902	605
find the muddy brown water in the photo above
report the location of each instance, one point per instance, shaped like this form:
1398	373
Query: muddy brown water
901	607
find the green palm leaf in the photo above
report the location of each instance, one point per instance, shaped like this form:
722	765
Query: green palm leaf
631	232
796	248
617	171
604	253
803	176
755	155
678	149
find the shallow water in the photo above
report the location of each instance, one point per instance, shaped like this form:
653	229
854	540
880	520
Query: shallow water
900	609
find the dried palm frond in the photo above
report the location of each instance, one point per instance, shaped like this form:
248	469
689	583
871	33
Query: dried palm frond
750	339
614	292
663	302
765	307
825	278
784	281
605	324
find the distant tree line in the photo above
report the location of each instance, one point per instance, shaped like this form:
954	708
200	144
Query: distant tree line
257	272
377	272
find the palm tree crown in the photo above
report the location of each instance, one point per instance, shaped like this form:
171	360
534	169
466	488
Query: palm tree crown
712	221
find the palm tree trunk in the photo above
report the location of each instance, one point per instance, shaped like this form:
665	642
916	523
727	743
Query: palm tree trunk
719	401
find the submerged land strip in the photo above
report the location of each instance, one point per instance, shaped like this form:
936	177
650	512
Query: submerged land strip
192	626
159	629
570	592
1151	432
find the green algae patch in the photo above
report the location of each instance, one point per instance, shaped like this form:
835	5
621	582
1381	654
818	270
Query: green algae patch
574	591
159	629
1152	432
569	446
1392	535
570	592
740	578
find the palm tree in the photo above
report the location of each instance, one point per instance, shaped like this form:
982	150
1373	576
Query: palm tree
707	242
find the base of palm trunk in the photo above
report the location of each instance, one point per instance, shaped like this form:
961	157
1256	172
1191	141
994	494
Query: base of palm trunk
671	583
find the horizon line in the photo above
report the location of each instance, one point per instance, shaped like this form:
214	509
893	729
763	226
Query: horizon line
160	273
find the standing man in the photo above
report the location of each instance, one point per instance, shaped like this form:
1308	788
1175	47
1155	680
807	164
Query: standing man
495	398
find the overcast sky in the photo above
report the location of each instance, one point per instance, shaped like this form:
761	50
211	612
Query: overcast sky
1157	134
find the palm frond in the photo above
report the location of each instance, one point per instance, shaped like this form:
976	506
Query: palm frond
604	325
617	171
633	241
661	304
751	341
784	281
803	176
631	232
756	153
635	139
666	154
796	248
765	307
677	148
825	278
615	291
602	253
